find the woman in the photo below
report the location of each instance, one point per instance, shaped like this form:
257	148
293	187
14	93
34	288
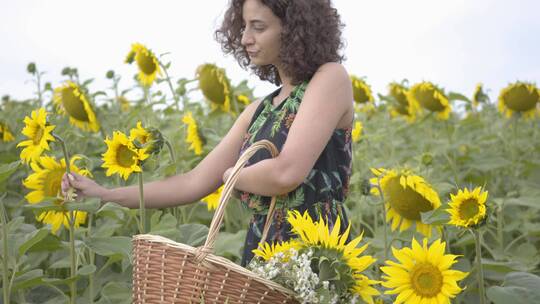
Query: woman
294	43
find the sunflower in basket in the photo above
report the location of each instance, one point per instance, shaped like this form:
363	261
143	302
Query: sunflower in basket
320	265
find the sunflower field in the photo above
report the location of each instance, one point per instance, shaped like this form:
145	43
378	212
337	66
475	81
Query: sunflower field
443	201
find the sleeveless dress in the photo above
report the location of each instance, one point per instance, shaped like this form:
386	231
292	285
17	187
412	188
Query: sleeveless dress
322	192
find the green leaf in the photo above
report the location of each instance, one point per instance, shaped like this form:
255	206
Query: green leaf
517	288
113	210
229	244
32	239
6	170
117	292
163	225
87	270
438	216
90	205
107	246
192	234
28	279
50	243
525	201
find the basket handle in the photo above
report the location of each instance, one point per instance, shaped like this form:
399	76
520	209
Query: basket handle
228	188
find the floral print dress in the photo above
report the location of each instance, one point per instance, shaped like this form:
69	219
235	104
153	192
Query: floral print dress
322	192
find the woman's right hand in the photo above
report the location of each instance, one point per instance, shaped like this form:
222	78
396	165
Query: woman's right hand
84	186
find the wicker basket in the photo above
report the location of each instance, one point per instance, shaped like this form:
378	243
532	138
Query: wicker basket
168	272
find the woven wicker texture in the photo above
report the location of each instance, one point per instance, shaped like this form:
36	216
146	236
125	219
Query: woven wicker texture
168	272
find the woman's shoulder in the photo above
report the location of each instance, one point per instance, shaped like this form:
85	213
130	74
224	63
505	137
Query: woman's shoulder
333	69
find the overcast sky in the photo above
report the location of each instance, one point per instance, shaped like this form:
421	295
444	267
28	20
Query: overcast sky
454	43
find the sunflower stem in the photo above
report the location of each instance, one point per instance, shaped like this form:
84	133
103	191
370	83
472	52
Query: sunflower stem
40	95
500	235
64	150
171	152
477	242
385	228
92	262
6	286
73	284
142	209
176	100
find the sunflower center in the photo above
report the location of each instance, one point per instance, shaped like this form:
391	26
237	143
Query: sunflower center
211	85
401	109
125	156
429	101
406	201
426	280
521	99
360	95
39	135
468	209
52	182
146	63
73	105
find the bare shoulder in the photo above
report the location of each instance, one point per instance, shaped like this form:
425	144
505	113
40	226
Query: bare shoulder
332	71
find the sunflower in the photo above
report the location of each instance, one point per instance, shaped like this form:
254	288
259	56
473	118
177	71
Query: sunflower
402	106
148	138
124	103
331	245
357	131
468	208
479	96
122	156
56	219
46	183
70	100
431	98
361	91
521	97
39	133
193	136
146	62
243	99
266	251
212	200
406	195
215	86
422	274
5	134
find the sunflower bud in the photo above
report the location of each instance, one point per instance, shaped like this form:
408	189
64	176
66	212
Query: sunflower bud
48	86
66	71
427	159
181	89
110	74
150	139
31	68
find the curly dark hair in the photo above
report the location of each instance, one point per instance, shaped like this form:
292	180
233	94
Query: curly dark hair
311	36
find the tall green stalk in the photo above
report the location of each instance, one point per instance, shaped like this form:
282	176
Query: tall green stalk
5	278
142	209
478	245
168	79
73	284
73	259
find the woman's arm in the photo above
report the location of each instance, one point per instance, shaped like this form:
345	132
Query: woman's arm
180	189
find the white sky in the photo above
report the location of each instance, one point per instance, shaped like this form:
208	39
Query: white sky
453	43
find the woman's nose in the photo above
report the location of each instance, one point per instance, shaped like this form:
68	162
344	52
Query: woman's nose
247	38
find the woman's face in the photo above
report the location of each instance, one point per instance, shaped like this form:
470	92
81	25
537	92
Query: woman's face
262	33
